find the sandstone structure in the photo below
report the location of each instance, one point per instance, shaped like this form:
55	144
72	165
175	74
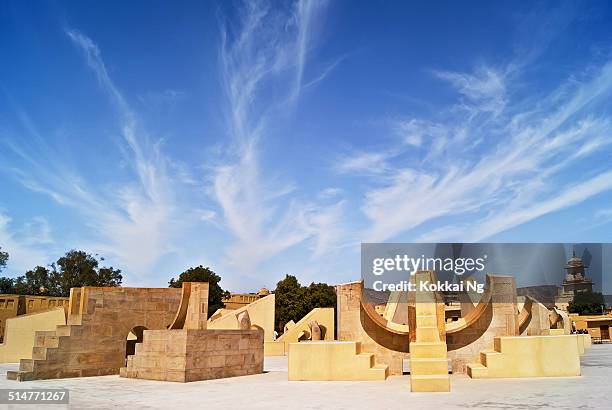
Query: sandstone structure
17	305
315	331
301	331
169	338
189	352
530	356
333	360
495	315
20	333
93	341
261	315
428	355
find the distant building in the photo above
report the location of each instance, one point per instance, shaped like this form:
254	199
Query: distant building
597	326
16	305
238	300
575	282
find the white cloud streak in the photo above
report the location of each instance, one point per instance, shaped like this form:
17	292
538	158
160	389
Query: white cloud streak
133	223
267	50
496	169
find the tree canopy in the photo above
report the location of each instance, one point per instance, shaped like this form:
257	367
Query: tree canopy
588	303
3	259
74	269
294	301
202	274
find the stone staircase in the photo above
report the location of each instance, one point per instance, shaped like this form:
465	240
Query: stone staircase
367	363
529	356
333	360
46	355
428	358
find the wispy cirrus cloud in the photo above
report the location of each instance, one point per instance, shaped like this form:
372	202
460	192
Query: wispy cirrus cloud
134	221
484	90
267	50
495	168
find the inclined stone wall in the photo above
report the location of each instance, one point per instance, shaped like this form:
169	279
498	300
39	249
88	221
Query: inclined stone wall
93	343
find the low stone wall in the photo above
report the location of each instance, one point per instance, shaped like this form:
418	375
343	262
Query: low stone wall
187	355
530	356
333	360
20	333
324	318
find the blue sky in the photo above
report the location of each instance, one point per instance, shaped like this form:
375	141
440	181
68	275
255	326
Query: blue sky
266	138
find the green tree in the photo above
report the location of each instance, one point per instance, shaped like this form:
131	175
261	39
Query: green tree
320	295
587	303
7	285
202	274
294	301
78	268
289	301
38	281
3	259
73	270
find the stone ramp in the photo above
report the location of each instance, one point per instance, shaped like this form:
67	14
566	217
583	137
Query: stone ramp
323	316
428	358
261	314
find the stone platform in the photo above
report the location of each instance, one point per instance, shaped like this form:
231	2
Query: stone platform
264	391
187	355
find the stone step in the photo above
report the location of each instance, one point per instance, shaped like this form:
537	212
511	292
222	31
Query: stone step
430	383
486	356
52	341
378	372
69	330
19	375
26	365
426	308
426	320
477	371
44	353
139	348
428	366
366	360
40	335
427	334
427	350
63	330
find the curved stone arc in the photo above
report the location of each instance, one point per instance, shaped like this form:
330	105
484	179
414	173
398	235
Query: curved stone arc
525	314
181	314
475	314
369	310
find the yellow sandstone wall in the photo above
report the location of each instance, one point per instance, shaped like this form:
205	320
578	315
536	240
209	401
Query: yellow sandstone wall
261	314
323	316
333	360
185	355
19	333
530	356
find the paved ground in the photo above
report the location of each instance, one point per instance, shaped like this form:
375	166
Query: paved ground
272	390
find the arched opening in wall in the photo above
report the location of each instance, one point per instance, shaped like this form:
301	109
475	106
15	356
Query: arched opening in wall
135	336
